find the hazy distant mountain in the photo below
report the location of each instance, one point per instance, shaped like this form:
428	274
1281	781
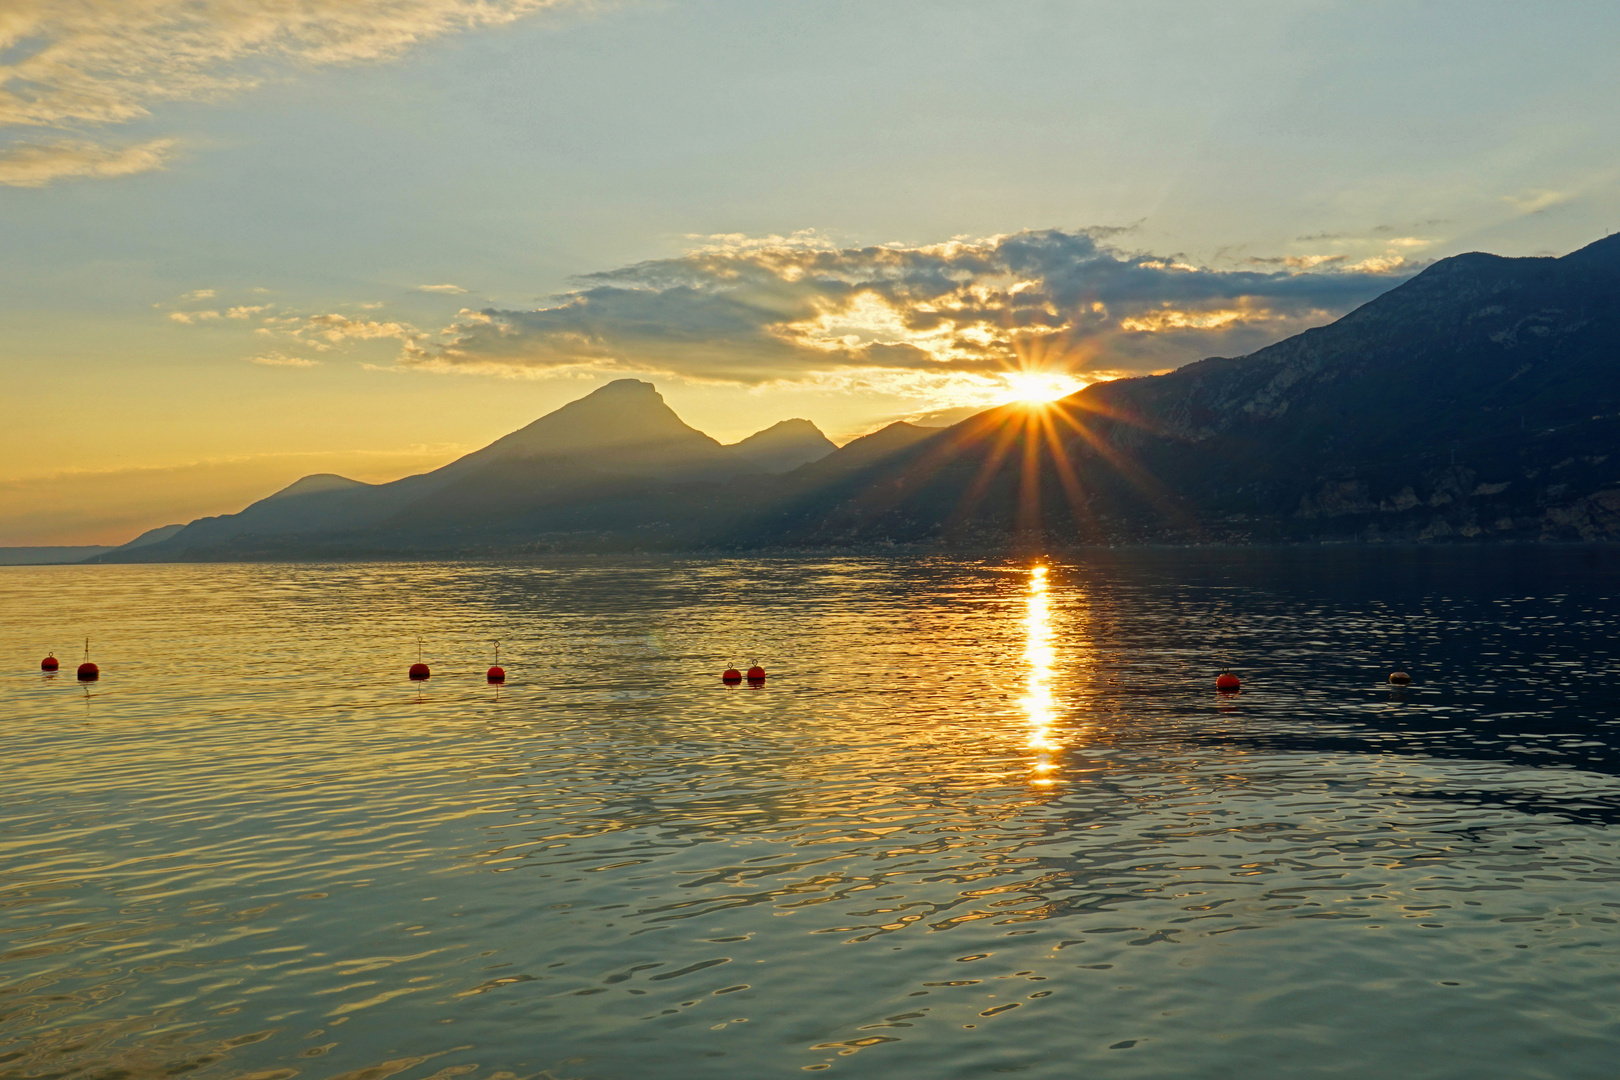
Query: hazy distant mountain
610	460
314	484
783	447
156	536
41	556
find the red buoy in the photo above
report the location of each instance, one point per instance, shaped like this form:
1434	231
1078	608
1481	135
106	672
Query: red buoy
419	670
88	672
731	674
50	663
496	674
756	674
1227	682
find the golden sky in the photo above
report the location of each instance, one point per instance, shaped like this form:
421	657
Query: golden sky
244	241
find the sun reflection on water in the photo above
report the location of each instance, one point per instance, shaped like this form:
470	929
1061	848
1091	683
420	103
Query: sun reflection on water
1038	655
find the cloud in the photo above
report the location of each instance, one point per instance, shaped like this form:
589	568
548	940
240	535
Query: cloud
940	319
190	317
77	63
247	311
1391	263
199	294
1534	202
1298	262
280	359
320	333
440	288
108	61
1168	318
338	328
27	164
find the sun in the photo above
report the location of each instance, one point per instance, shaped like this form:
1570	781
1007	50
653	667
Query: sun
1040	387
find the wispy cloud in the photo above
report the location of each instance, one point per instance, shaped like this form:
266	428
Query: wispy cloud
1534	202
314	333
280	359
34	164
77	63
452	289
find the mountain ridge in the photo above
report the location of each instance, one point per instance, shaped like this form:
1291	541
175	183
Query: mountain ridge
620	441
1478	400
1436	410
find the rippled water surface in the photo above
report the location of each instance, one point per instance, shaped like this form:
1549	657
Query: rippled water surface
981	818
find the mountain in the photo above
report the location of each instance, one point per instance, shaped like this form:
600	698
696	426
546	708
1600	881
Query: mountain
157	535
1480	399
618	458
42	556
314	484
35	556
867	450
624	428
783	447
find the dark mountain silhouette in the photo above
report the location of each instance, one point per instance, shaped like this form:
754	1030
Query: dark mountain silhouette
783	447
155	536
315	484
1478	400
623	428
606	461
866	450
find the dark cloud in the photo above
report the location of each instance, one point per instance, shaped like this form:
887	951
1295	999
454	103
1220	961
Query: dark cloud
754	312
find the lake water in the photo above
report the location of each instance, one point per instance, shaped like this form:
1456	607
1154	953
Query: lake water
980	819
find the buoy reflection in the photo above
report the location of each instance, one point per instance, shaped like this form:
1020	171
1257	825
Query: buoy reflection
1038	658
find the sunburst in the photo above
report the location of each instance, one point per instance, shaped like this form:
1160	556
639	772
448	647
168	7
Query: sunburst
1034	387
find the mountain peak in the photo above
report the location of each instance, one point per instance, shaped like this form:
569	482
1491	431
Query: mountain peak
784	429
783	446
316	482
625	425
622	388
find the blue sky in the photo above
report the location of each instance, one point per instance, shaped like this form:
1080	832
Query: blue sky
217	220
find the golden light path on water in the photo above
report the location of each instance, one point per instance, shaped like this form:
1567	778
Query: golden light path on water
1038	704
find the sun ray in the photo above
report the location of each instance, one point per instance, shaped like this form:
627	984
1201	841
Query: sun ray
987	471
1080	513
1138	477
1029	479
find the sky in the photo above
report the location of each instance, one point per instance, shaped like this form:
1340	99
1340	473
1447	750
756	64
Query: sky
246	240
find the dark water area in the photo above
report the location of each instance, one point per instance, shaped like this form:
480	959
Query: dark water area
984	816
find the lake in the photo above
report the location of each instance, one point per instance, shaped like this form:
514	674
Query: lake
984	816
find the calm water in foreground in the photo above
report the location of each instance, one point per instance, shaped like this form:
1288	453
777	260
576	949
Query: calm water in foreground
979	820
